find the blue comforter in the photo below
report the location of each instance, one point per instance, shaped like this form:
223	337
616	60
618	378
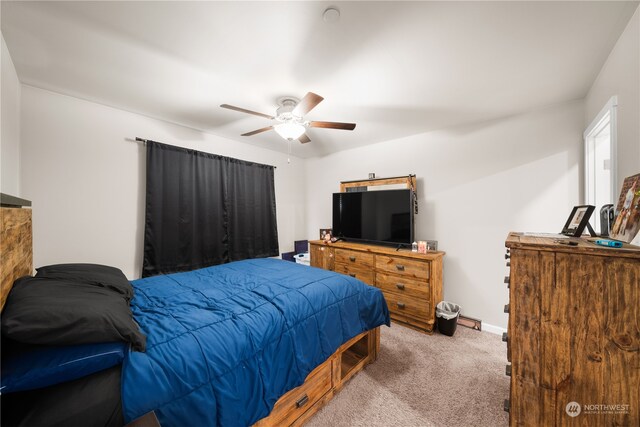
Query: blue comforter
225	342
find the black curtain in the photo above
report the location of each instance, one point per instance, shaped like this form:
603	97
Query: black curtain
203	209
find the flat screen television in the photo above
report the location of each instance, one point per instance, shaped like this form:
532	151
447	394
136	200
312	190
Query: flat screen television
382	216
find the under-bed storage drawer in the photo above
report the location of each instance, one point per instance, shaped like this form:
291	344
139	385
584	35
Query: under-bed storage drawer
293	404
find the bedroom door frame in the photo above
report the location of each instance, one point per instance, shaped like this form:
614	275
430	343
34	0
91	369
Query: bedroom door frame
607	117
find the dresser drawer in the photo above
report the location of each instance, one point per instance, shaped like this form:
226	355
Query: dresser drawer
364	274
403	285
414	322
406	305
409	268
296	402
356	258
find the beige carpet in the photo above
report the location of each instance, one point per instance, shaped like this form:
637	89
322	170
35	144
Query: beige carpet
422	380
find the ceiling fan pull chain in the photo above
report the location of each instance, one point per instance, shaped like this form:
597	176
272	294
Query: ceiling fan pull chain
289	153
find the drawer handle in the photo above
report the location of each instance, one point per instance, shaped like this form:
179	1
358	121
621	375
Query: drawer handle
507	370
506	308
400	286
352	274
302	401
505	337
400	305
352	258
400	267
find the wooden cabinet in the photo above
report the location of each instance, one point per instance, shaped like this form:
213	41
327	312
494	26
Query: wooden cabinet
573	333
321	256
411	282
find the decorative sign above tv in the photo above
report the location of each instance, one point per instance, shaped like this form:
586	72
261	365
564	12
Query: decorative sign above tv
384	217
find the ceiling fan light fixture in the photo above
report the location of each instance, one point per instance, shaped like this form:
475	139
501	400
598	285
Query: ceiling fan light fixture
290	130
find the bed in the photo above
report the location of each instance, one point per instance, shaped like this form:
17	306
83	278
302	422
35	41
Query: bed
264	342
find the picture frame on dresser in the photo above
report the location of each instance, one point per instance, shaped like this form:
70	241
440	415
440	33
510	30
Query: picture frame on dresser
324	232
627	222
579	220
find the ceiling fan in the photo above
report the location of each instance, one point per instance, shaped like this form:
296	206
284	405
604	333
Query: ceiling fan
290	115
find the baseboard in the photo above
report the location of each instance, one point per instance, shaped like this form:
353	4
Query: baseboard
493	329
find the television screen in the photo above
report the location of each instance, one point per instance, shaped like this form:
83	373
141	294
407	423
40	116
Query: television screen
384	216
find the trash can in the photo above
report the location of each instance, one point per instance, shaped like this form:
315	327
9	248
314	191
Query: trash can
447	314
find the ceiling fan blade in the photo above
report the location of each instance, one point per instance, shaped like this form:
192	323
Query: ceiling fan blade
304	138
257	131
307	104
243	110
333	125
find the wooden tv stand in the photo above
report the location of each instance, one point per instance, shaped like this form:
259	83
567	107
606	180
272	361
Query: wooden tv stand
411	282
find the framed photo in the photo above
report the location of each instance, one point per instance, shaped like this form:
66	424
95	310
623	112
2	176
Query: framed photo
627	223
432	245
578	220
325	234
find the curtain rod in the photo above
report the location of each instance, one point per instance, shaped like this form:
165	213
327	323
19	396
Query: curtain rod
144	141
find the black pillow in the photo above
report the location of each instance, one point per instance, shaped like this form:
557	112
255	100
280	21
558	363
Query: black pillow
43	310
91	274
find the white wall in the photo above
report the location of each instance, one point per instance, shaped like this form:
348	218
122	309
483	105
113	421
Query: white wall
620	76
87	181
475	184
10	88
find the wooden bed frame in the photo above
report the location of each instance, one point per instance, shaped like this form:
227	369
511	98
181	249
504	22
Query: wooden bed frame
299	404
292	409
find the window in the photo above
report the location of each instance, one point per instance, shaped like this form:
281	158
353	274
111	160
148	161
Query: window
600	160
203	209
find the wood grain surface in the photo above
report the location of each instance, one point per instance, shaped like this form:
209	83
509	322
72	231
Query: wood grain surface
411	282
574	333
349	256
324	382
407	181
379	249
322	256
411	268
16	248
354	270
403	285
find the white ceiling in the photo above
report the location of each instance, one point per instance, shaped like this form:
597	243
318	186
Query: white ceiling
396	69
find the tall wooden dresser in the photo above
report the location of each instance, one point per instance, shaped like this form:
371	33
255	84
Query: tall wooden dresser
573	335
411	282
